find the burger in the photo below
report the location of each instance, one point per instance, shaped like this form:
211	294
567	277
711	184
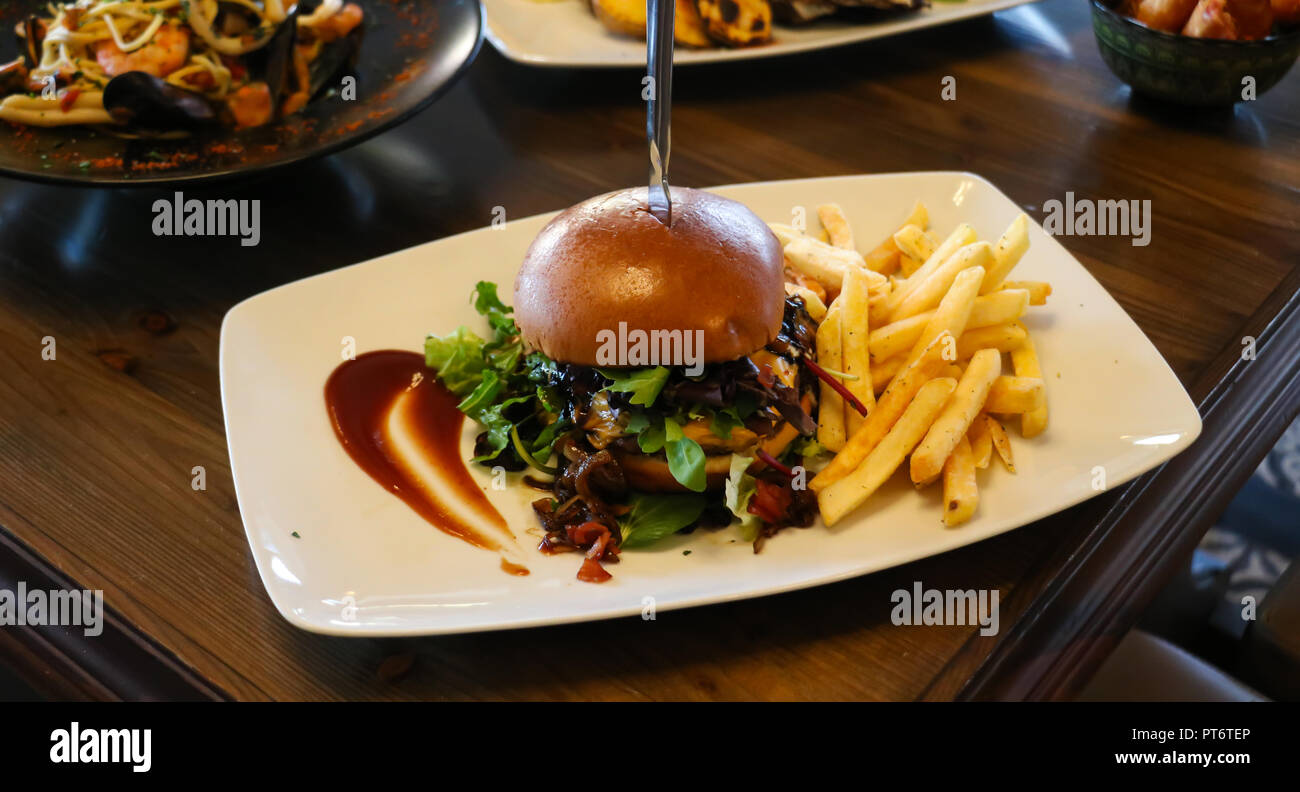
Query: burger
660	375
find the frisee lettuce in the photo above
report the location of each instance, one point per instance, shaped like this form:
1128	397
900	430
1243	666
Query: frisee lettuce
458	359
489	305
738	490
496	381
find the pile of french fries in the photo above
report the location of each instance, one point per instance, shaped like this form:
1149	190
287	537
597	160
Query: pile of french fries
915	333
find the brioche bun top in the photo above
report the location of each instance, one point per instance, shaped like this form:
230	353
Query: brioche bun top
607	260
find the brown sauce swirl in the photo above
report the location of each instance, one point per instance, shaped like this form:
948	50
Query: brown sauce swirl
367	397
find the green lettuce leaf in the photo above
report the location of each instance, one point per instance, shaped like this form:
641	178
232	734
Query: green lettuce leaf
653	517
723	422
482	396
489	305
685	457
651	438
545	442
493	376
498	426
740	487
644	384
458	359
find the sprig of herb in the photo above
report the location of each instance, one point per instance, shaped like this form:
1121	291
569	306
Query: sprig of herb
644	384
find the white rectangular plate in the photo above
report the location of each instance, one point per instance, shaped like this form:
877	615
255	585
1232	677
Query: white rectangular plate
564	33
365	564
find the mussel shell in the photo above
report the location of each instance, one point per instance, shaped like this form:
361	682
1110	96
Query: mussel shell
32	38
144	101
278	72
335	58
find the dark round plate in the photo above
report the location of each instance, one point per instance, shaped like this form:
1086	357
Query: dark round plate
413	51
1189	71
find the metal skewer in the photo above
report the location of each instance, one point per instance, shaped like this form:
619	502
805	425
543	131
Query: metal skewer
659	66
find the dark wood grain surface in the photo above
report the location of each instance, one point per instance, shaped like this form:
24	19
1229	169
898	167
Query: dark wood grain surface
96	447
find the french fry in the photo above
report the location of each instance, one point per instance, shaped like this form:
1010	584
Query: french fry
1024	360
851	491
785	234
914	242
880	420
1003	338
919	333
919	216
825	263
897	338
1015	395
855	328
877	308
953	312
1000	307
836	225
830	413
960	237
928	293
811	302
956	418
961	494
1001	443
1039	291
1007	253
981	442
883	259
884	371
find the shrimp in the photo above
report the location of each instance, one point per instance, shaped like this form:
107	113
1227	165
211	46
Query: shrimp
341	24
251	105
166	53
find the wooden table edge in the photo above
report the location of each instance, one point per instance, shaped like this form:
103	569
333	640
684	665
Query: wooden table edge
122	663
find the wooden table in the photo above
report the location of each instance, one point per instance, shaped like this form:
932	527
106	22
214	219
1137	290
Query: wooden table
96	447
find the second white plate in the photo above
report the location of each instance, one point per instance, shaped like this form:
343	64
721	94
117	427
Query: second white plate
564	33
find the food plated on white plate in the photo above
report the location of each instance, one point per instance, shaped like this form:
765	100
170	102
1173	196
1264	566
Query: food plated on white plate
736	23
889	381
612	32
693	376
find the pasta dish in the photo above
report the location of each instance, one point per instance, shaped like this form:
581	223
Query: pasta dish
174	65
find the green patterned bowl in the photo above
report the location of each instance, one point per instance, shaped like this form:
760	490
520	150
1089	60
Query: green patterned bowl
1190	71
